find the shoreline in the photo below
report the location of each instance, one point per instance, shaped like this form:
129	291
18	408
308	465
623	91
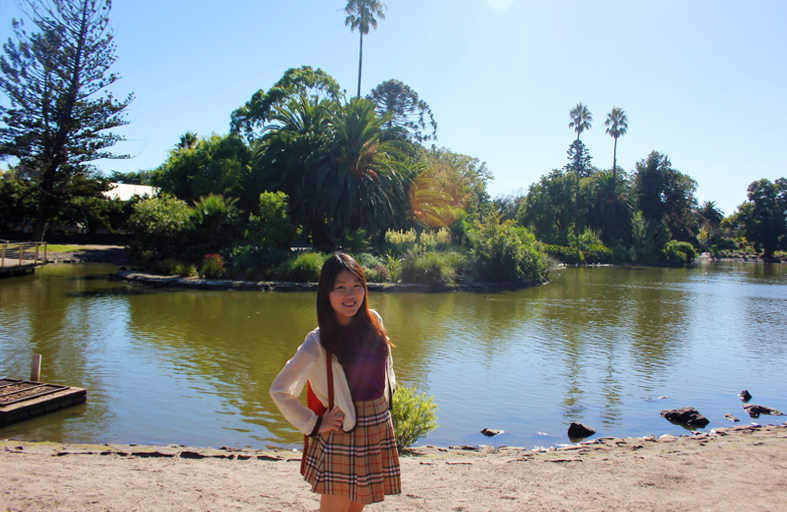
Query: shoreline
736	468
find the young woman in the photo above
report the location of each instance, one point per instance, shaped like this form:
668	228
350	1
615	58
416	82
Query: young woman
351	458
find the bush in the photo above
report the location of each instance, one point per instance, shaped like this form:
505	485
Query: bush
160	228
171	266
435	269
373	267
212	266
564	254
254	263
399	242
679	253
440	239
304	268
413	416
273	227
505	253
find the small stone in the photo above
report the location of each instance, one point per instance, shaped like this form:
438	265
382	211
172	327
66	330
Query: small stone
490	432
731	418
744	395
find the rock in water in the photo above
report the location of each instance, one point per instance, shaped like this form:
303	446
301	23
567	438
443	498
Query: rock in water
490	432
744	395
731	418
755	410
580	431
685	416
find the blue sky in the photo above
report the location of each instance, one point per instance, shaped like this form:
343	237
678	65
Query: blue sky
701	81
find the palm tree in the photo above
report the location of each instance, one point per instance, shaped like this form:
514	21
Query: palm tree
188	140
610	208
580	119
361	15
617	124
364	185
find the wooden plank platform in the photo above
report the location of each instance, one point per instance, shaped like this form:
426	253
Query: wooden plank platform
23	399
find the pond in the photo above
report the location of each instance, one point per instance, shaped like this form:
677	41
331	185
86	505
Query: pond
609	347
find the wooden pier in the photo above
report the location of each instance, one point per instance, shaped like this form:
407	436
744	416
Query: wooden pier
23	399
20	258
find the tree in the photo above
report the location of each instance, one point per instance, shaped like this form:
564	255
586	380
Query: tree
365	186
248	120
406	109
469	174
617	124
611	210
579	164
711	217
361	15
763	215
547	208
580	119
57	81
289	157
665	194
213	165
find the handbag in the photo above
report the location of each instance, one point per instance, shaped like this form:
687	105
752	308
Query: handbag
313	403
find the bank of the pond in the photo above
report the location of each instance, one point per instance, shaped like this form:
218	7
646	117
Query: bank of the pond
739	468
138	277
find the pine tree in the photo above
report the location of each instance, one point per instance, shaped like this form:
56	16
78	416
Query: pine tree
56	80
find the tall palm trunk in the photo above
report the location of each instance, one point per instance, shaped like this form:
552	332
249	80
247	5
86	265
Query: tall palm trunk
360	62
614	219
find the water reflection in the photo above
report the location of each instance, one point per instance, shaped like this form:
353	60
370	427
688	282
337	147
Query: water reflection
598	345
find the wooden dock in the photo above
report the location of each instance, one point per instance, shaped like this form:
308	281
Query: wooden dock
23	399
20	258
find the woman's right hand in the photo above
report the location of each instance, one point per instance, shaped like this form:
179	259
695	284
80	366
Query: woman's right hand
332	420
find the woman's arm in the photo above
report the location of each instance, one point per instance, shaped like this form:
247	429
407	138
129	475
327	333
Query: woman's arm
288	385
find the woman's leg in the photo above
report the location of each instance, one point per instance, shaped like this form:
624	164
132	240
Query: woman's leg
329	503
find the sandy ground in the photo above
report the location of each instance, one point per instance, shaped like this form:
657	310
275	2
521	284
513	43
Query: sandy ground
735	469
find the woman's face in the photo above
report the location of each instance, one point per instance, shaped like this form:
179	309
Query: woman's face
346	296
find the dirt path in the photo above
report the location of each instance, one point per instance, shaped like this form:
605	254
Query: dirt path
737	469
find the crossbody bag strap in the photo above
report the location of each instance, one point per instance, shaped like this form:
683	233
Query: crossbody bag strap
329	364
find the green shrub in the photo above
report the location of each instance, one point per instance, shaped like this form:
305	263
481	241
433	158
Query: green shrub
413	416
171	266
564	254
254	263
212	266
435	269
216	223
160	228
304	268
679	253
505	253
440	239
273	227
399	242
394	266
373	267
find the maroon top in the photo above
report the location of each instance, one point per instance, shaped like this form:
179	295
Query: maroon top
366	374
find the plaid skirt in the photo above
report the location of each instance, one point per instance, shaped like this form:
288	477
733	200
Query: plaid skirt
363	465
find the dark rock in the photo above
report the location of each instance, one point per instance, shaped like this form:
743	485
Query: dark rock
744	395
731	418
580	431
490	432
688	416
755	410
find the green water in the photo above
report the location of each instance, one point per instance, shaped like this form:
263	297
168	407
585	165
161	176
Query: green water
597	345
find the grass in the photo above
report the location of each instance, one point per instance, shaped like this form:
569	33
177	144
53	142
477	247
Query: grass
63	248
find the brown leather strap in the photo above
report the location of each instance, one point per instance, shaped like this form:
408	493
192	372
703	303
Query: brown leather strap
329	364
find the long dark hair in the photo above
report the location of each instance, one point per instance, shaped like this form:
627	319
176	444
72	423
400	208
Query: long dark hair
365	327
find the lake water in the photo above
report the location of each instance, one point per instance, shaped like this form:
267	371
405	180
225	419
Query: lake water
609	347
